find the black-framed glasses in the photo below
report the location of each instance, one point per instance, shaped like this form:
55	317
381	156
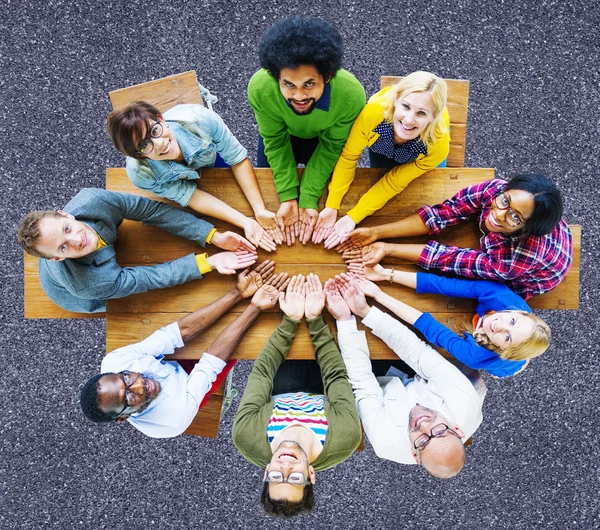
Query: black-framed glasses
128	380
295	477
436	431
156	131
512	218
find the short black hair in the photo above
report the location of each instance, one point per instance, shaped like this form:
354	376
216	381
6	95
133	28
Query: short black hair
286	509
548	202
298	41
89	402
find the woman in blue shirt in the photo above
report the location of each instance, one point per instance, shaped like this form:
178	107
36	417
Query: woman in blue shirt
505	333
165	152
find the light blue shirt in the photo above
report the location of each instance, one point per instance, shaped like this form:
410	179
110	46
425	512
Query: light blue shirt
201	134
172	411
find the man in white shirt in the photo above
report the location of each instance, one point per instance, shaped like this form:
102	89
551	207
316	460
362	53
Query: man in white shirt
158	397
424	420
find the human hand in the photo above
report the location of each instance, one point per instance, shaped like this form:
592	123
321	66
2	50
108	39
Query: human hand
258	236
249	281
340	231
292	301
374	273
359	237
272	225
306	222
352	294
288	215
268	294
231	241
315	297
324	226
369	255
228	262
335	303
369	288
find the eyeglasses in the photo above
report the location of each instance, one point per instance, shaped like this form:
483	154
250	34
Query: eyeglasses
156	131
128	380
296	477
512	217
436	432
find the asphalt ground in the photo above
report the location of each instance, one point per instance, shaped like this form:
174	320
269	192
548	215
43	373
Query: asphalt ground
534	107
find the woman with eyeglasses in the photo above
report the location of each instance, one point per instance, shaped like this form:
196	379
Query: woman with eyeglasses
406	128
503	336
525	241
165	152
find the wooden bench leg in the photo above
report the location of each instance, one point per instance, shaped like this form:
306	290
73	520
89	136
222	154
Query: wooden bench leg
230	393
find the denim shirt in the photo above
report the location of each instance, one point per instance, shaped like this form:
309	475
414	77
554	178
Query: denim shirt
83	284
201	134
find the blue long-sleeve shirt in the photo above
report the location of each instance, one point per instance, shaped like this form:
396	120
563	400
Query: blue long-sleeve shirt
491	296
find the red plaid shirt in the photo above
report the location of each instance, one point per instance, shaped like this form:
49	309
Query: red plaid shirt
529	265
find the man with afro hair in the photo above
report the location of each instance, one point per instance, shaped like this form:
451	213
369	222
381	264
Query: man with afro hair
305	105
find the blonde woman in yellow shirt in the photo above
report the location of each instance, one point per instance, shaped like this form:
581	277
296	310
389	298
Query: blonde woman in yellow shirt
406	128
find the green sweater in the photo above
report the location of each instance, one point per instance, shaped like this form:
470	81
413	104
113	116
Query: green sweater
276	122
252	417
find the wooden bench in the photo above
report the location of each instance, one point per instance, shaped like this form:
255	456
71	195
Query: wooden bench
458	108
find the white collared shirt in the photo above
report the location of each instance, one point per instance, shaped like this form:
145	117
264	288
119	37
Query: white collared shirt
384	403
175	407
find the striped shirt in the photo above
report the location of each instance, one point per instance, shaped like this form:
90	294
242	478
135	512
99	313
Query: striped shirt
298	408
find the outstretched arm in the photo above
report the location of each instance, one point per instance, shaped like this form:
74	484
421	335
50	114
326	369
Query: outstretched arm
228	340
248	282
207	204
246	178
377	273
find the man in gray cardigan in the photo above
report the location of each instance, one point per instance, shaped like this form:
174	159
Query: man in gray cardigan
78	266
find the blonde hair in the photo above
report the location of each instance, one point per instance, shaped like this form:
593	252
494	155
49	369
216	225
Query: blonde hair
421	82
536	344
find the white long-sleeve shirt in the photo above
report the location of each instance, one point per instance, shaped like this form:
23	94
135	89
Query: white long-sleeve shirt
175	407
384	403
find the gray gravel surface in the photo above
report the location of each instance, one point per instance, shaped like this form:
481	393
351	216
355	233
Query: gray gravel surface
534	105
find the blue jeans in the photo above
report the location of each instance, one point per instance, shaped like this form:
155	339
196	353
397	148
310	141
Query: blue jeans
219	162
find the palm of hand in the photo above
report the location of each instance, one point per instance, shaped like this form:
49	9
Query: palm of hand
373	253
293	305
362	237
266	297
249	283
315	301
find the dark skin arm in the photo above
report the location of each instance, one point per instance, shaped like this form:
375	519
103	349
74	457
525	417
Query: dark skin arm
248	283
412	225
375	252
228	340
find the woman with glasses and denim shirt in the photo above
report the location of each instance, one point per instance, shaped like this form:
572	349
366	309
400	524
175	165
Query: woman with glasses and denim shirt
525	241
165	153
504	333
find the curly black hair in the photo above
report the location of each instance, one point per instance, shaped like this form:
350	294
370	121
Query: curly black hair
548	202
89	402
301	40
286	509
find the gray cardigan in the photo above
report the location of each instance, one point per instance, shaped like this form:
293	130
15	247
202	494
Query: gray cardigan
83	284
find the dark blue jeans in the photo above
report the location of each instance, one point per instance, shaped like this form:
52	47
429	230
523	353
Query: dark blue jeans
377	160
298	376
303	149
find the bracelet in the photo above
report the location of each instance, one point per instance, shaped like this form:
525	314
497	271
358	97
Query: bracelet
392	276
